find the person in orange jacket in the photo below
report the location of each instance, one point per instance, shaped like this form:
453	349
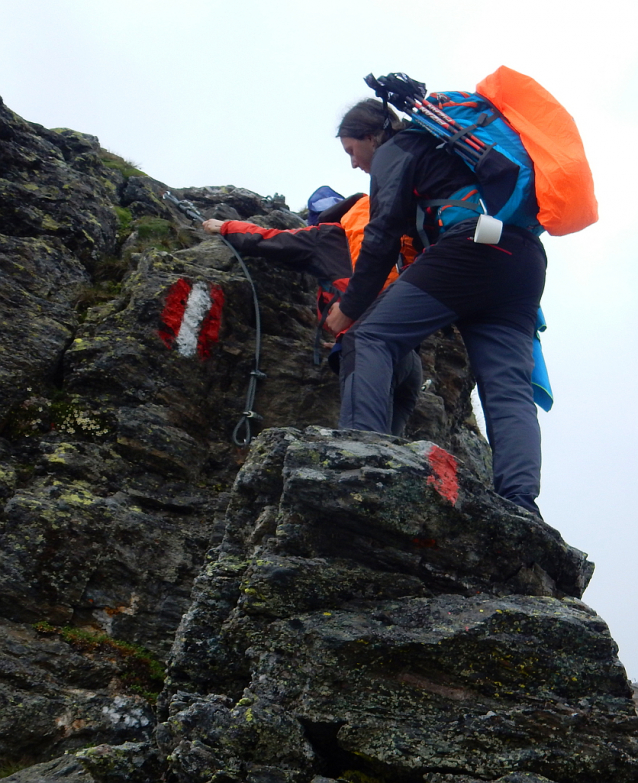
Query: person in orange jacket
329	251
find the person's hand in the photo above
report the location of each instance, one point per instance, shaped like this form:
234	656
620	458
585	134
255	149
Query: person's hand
212	226
337	321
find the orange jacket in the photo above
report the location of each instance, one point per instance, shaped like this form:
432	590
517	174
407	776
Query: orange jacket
354	223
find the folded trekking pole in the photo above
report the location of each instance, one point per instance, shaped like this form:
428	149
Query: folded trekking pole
191	211
408	95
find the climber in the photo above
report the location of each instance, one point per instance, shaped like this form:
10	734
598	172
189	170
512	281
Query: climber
329	250
491	292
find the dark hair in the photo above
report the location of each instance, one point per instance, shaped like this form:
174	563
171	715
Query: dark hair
370	118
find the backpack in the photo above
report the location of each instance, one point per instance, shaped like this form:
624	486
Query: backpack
521	143
563	180
322	199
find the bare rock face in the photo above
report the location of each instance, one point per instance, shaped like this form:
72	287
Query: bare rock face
373	608
115	439
56	221
329	605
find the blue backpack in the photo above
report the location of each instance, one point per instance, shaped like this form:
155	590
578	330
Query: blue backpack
323	198
470	126
503	168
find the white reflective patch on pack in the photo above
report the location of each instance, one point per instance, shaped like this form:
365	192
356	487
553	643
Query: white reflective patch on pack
488	230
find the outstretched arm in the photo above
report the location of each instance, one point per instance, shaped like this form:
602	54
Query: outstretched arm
320	250
212	226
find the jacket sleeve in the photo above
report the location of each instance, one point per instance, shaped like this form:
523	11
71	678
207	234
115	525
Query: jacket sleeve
320	250
391	216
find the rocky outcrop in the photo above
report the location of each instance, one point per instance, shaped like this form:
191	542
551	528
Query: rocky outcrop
346	605
115	447
375	611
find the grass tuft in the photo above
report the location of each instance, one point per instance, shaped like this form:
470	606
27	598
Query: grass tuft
126	167
140	671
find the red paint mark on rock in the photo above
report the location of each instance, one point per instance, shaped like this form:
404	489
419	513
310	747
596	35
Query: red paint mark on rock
173	311
191	318
209	333
444	467
424	543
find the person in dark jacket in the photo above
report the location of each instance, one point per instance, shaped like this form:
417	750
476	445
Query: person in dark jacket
491	292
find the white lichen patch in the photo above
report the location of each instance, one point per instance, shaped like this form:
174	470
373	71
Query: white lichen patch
124	712
309	474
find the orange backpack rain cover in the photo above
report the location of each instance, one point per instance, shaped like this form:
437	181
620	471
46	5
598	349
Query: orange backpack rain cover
564	183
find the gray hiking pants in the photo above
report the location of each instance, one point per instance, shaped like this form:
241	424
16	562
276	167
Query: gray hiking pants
500	357
405	386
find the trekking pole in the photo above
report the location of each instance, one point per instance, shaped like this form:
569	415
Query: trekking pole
446	128
475	142
191	211
408	95
468	155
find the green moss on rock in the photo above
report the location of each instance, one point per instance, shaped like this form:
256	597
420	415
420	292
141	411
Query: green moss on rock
140	671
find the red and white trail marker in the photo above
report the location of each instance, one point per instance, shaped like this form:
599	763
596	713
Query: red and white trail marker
191	318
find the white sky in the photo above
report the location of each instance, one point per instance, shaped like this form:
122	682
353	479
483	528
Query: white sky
204	92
